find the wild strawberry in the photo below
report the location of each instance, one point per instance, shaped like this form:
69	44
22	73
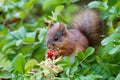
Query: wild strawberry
50	54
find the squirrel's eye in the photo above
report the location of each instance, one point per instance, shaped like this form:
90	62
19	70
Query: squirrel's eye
56	39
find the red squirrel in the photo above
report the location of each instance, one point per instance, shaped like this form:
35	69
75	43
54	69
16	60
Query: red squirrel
86	29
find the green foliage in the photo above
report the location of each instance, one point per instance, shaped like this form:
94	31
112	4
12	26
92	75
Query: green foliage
30	64
23	33
113	39
19	64
56	13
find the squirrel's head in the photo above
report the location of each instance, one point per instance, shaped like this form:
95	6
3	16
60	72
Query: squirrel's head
57	36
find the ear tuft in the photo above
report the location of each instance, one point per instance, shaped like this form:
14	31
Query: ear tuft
62	28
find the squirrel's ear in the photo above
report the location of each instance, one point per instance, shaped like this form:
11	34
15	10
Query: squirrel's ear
62	29
48	23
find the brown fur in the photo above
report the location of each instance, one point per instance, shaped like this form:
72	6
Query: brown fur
71	41
86	27
89	23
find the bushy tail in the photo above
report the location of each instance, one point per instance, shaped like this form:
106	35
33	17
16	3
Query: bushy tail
89	23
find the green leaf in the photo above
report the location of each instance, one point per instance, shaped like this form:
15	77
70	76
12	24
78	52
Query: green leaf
94	4
20	14
105	15
18	34
98	4
25	49
18	42
58	9
28	39
59	78
81	55
65	62
74	68
118	77
29	4
112	38
89	51
107	40
22	32
111	2
30	64
68	71
5	75
9	44
15	35
117	29
47	3
115	50
41	36
1	27
19	63
113	10
94	76
31	34
90	77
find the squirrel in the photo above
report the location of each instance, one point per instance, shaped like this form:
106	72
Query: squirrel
86	30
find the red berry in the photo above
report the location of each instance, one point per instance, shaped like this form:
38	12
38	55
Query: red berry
50	54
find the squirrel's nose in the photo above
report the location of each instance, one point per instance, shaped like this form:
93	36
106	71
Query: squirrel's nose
50	46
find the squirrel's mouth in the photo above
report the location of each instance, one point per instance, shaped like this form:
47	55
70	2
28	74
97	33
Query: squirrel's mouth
57	50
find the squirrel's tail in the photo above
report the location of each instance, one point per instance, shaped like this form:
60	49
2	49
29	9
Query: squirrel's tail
89	23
